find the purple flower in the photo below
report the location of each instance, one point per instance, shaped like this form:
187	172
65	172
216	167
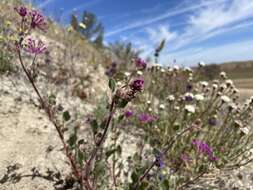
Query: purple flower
38	20
137	85
159	160
22	11
141	64
212	121
128	113
203	148
146	118
35	47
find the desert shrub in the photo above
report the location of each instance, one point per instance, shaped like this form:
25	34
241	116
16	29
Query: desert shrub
182	127
6	65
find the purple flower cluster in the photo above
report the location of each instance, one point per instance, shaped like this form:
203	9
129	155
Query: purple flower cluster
140	64
203	148
146	118
35	47
37	20
159	160
22	11
137	85
128	113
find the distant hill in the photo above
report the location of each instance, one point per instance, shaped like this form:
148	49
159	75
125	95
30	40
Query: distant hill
238	69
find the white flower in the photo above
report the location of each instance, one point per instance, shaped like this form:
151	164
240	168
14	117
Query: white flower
190	108
245	130
171	98
127	74
204	83
235	91
162	106
232	106
148	102
150	109
119	83
82	25
199	97
225	99
201	64
215	86
140	73
223	75
177	108
229	82
163	70
188	69
176	67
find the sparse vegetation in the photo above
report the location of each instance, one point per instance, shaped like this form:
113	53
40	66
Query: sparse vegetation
181	123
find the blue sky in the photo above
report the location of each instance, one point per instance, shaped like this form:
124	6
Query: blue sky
195	30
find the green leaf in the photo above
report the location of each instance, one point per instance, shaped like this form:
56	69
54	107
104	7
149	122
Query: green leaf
52	99
134	176
94	126
80	157
122	103
120	118
110	152
72	140
112	84
144	185
66	116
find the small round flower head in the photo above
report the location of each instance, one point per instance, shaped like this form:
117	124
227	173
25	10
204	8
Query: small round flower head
201	64
215	86
140	64
127	74
235	91
35	47
176	68
176	108
212	120
137	85
161	106
232	106
188	97
190	108
188	69
245	130
38	21
148	102
171	98
223	75
199	97
128	113
22	11
119	83
162	70
229	83
204	84
139	73
225	99
238	124
150	109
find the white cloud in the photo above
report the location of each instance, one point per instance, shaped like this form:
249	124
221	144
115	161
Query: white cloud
162	32
229	52
209	21
166	15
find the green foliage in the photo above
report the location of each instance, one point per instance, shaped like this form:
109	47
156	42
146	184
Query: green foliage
89	27
6	65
